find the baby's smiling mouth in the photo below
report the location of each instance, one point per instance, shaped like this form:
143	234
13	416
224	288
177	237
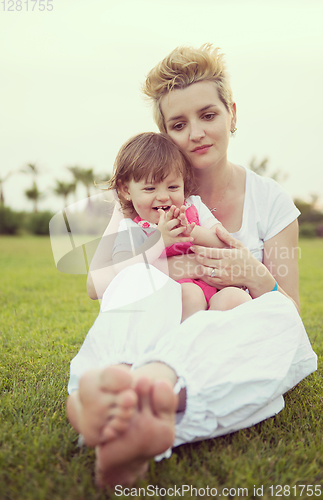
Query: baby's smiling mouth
162	207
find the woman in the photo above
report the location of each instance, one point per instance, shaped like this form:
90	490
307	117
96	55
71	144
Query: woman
218	371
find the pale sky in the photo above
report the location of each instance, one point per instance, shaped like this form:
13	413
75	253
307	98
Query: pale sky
70	83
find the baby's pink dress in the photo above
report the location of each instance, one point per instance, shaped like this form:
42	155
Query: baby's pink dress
182	248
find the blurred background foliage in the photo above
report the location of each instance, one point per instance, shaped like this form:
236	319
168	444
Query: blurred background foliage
37	222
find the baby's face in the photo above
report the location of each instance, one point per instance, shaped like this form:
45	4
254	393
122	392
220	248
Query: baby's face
147	198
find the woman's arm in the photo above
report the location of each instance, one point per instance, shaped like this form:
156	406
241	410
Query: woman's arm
238	267
281	259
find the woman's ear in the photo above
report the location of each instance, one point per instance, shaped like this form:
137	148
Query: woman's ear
124	190
233	115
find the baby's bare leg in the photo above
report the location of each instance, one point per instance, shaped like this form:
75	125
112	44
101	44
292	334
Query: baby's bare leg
193	300
228	298
104	404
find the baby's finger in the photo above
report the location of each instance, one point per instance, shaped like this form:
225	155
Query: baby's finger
161	215
176	212
182	218
190	227
172	224
178	230
170	213
184	239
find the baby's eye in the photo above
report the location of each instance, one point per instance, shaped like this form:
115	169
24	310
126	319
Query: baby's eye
173	187
149	188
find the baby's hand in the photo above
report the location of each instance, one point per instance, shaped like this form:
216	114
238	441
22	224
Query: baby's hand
171	230
184	223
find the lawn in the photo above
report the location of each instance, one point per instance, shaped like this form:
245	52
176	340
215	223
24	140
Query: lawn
44	318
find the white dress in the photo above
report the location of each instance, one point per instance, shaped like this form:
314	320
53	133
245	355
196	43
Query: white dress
235	365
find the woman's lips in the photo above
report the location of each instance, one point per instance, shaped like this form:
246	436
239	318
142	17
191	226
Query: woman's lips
202	149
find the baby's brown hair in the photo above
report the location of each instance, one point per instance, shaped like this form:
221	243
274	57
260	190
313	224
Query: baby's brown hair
150	156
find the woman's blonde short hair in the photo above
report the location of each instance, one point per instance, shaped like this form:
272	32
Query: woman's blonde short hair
152	157
182	67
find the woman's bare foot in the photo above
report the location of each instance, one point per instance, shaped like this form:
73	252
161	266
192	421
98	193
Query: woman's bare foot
106	404
151	431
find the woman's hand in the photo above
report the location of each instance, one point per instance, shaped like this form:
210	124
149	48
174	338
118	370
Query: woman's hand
233	266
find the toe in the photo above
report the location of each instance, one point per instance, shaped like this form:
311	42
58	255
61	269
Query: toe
119	412
119	424
127	399
143	390
164	401
115	379
108	434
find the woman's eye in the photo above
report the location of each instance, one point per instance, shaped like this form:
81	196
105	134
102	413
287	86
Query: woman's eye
209	116
178	126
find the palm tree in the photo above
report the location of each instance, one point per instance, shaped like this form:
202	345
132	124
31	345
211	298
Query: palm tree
35	195
86	177
2	181
261	168
31	169
102	179
64	189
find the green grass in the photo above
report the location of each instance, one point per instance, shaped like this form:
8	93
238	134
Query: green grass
44	318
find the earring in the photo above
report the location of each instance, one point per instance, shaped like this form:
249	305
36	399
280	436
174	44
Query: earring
234	130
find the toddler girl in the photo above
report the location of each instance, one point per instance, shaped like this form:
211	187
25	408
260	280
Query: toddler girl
153	180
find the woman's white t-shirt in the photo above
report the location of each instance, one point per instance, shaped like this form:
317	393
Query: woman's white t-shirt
267	210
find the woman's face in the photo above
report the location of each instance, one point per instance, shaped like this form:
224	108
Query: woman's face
199	123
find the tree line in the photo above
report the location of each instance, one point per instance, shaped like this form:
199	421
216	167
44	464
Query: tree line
311	218
11	222
37	222
83	176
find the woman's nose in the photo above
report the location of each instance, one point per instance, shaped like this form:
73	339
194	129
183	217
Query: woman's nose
196	132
